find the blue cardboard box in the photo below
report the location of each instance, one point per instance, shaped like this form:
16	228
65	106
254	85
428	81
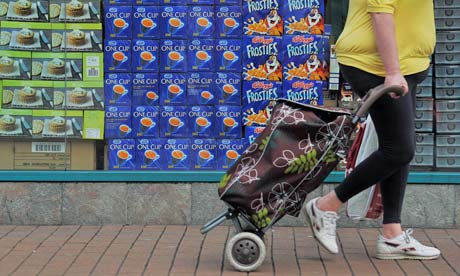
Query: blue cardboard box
230	55
118	122
173	22
228	151
173	55
204	154
263	17
202	121
262	59
173	88
199	89
303	17
149	154
174	121
145	89
178	154
259	98
146	22
251	133
147	2
304	91
145	121
110	3
227	87
117	56
121	154
118	22
118	89
145	55
228	121
228	2
201	56
201	22
229	22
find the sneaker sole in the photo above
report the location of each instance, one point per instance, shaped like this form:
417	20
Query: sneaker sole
313	230
404	257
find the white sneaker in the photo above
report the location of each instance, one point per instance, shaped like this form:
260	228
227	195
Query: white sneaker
404	246
323	225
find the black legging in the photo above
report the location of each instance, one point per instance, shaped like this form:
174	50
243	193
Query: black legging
395	127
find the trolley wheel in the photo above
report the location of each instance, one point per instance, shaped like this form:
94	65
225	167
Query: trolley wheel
245	251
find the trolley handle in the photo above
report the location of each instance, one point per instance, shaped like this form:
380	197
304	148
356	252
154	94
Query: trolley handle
372	96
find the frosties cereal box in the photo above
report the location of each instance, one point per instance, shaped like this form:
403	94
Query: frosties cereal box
118	122
121	154
173	88
117	55
173	55
199	89
304	91
306	57
146	22
201	118
178	154
118	22
145	55
251	133
145	121
263	17
228	151
149	154
304	17
259	98
174	121
173	21
201	22
230	56
200	55
204	154
145	89
118	89
228	121
227	87
229	22
262	58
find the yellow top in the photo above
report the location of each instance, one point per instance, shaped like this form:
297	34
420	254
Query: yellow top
415	35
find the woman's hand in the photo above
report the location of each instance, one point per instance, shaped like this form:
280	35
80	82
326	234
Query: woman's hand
399	80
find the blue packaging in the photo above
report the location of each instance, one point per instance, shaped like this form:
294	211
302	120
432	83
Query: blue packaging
204	154
148	2
262	58
118	89
118	122
199	89
145	121
174	121
108	3
228	2
174	2
173	88
228	121
263	17
149	154
201	2
229	22
227	87
145	55
251	133
304	91
303	17
202	121
145	89
228	151
229	52
173	55
117	56
259	98
146	22
201	22
200	55
177	154
121	154
173	21
118	22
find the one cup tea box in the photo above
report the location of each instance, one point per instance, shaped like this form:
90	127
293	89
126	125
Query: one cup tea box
26	36
304	17
145	121
201	22
145	56
58	66
230	53
251	133
150	154
178	154
228	2
263	17
174	121
174	2
19	123
117	56
118	122
259	98
173	88
229	22
203	154
173	55
201	56
262	58
145	89
146	22
57	124
199	89
201	2
27	94
118	22
77	37
93	124
118	89
77	95
304	91
121	154
202	121
228	151
173	21
37	11
229	121
227	88
118	2
20	65
147	2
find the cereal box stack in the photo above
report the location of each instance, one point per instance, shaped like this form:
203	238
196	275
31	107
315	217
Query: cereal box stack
173	84
51	69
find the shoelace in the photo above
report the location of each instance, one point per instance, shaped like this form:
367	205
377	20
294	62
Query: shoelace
408	236
329	220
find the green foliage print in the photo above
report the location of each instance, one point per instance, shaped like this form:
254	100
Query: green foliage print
261	219
330	156
263	144
303	163
224	180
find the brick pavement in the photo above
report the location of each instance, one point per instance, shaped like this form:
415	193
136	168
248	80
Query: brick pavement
182	250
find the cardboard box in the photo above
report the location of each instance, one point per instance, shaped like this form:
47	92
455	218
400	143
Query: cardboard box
78	95
57	124
14	94
90	11
17	123
66	37
22	65
93	124
40	42
38	12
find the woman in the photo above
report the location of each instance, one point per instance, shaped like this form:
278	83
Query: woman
390	42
